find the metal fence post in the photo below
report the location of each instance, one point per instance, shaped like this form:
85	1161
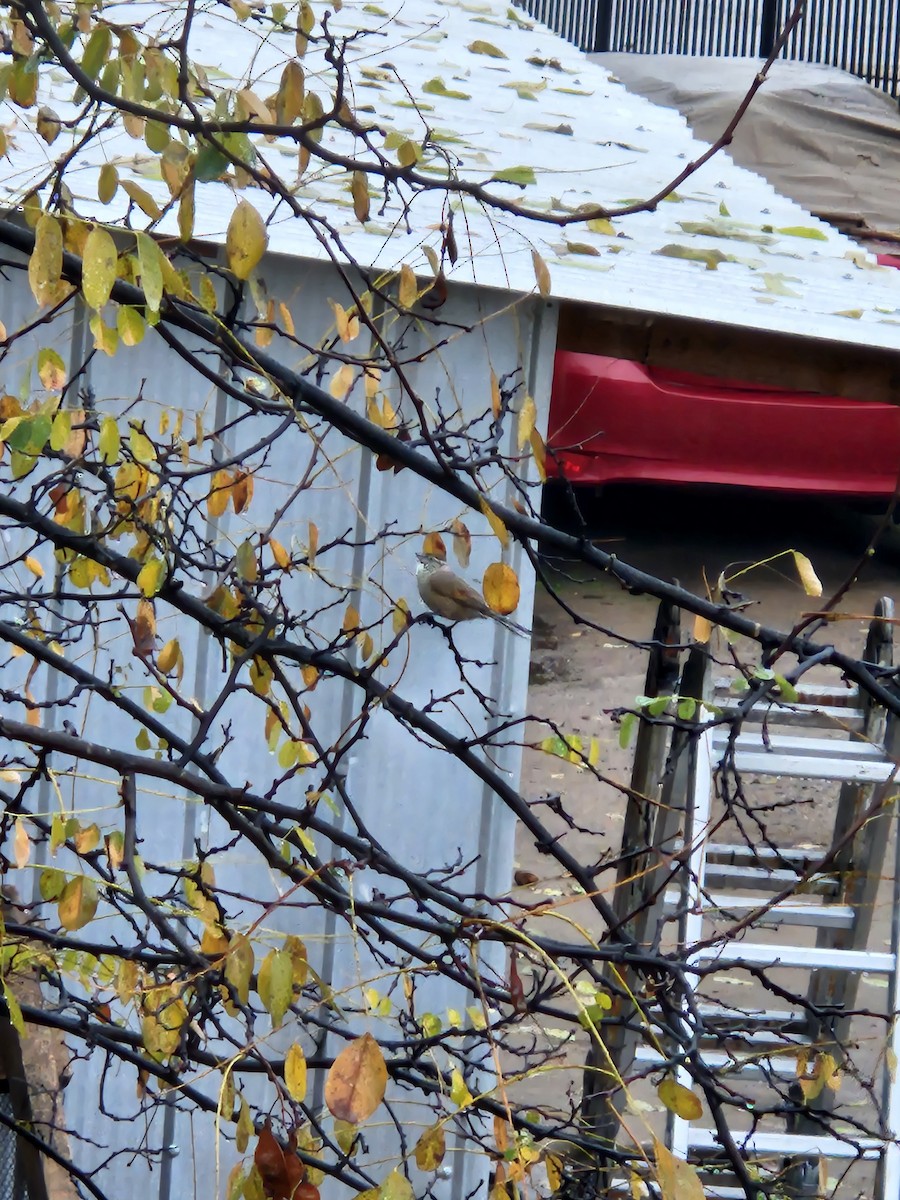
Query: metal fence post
768	27
602	40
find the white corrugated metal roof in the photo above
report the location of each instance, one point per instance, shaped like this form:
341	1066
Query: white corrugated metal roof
499	93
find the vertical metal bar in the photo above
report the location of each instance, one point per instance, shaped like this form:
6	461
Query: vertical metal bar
767	27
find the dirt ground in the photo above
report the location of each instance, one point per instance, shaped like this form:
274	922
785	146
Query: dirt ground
579	675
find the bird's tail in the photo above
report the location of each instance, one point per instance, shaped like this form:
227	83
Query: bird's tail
508	624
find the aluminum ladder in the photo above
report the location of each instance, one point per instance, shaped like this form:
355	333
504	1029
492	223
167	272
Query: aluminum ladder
805	910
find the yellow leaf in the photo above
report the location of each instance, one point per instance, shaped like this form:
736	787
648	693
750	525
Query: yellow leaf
527	418
169	656
87	839
141	447
347	323
495	394
295	948
275	985
499	529
220	488
289	100
541	274
150	261
100	263
245	240
553	1165
21	844
703	628
408	289
400	618
45	264
310	676
106	338
281	556
141	196
677	1179
312	543
680	1100
244	1130
341	381
501	588
459	1093
396	1187
34	566
52	372
186	210
351	621
110	443
359	190
239	967
371	381
356	1081
295	1073
245	561
431	1148
78	903
151	577
539	450
812	585
130	325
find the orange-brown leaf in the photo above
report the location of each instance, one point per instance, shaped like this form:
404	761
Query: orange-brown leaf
356	1082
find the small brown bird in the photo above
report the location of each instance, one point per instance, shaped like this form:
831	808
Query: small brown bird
451	597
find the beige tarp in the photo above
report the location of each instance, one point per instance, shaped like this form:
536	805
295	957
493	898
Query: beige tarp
819	135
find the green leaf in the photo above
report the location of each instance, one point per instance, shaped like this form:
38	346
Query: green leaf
521	176
15	1012
803	231
437	87
96	52
211	164
626	728
486	48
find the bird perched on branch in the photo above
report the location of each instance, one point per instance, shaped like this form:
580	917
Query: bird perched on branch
451	597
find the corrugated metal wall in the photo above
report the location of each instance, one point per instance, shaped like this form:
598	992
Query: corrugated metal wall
427	809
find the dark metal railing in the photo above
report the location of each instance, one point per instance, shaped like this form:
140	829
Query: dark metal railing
859	36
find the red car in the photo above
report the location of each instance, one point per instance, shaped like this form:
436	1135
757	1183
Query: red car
613	421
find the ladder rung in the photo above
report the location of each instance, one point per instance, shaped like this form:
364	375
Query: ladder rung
789	1143
742	1018
757	879
823	693
818	916
859	770
792	745
747	1066
819	716
740	852
764	955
